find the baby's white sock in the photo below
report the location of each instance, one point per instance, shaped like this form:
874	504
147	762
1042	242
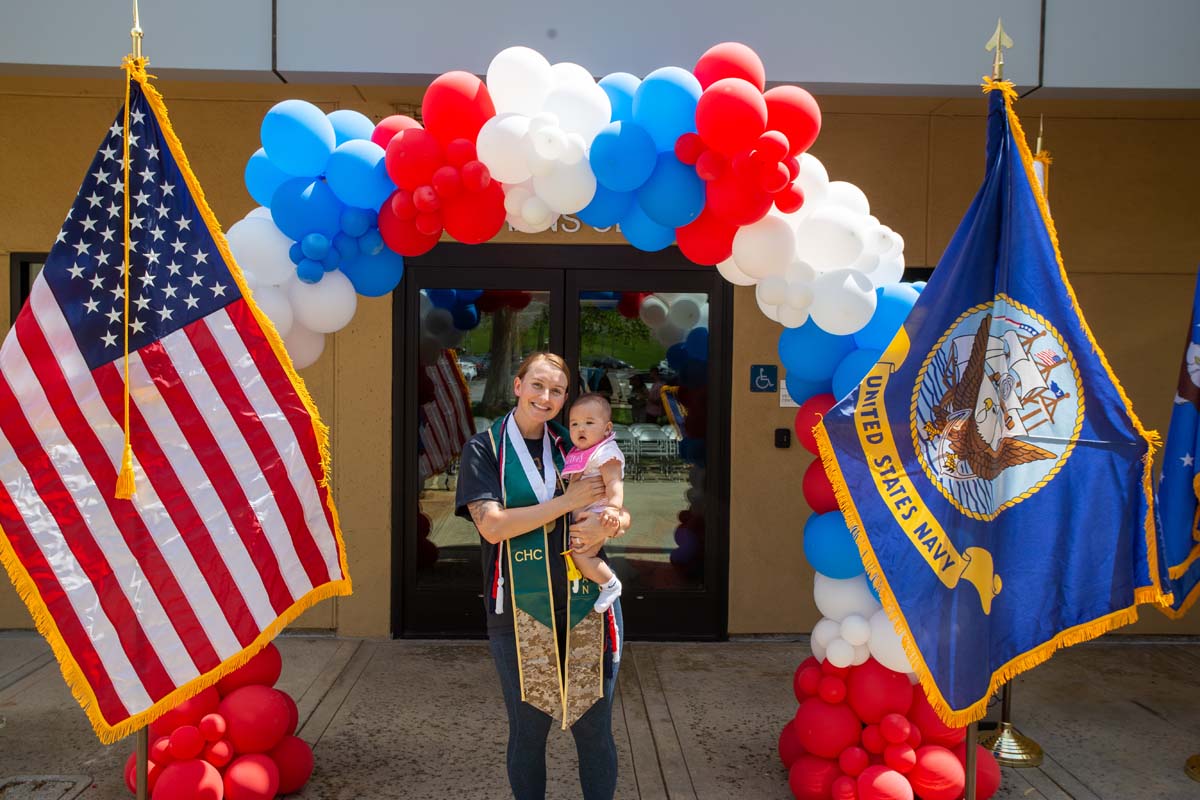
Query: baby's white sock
608	593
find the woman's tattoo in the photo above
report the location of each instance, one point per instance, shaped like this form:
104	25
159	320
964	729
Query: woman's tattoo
479	509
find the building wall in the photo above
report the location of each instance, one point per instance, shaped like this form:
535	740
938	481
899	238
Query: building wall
1122	190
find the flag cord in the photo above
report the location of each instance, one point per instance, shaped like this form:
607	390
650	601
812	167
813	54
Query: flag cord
124	488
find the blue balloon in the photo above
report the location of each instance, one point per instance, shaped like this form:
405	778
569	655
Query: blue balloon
310	271
466	316
469	295
697	344
829	546
263	177
346	245
357	175
302	206
643	232
665	105
852	370
375	276
349	124
811	353
676	356
918	285
296	253
298	138
371	242
674	195
800	390
873	590
442	298
891	309
620	88
623	155
607	207
314	246
331	260
357	221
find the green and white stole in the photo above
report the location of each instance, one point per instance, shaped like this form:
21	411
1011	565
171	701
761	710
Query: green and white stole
565	692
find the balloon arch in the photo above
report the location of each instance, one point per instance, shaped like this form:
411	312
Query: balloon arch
708	159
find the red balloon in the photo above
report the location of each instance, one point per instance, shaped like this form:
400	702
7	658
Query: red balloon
736	200
773	178
460	151
490	301
193	779
294	758
818	491
689	147
390	126
829	669
212	727
938	774
811	778
895	728
793	112
261	670
446	182
793	165
826	729
186	742
630	305
412	156
880	783
401	235
730	60
731	115
914	735
804	687
789	744
808	416
873	741
900	757
476	176
772	148
425	199
152	772
160	751
475	216
293	713
252	777
875	691
188	712
987	771
219	753
933	730
845	788
707	239
711	165
831	689
519	300
257	717
853	761
790	198
455	106
429	223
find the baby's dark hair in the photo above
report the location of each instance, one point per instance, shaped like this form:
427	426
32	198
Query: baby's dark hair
597	398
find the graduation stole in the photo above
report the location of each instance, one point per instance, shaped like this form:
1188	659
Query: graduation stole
564	693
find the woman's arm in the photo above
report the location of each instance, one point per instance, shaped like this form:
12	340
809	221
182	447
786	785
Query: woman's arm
588	535
497	523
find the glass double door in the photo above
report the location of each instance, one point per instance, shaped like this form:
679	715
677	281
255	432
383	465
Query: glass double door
651	342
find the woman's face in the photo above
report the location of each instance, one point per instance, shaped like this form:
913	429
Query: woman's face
541	393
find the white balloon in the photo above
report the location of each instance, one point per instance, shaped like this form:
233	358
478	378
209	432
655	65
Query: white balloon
260	247
325	306
668	334
830	237
549	142
518	79
515	197
304	346
581	107
567	73
501	147
855	629
849	196
653	312
576	149
800	272
684	313
260	212
889	271
825	632
764	248
885	644
773	290
813	180
543	119
251	280
840	653
731	272
843	301
770	312
791	317
536	213
703	323
838	598
861	653
524	227
799	296
818	650
566	188
275	304
426	305
867	263
438	323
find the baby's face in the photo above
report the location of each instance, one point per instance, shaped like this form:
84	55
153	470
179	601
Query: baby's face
589	424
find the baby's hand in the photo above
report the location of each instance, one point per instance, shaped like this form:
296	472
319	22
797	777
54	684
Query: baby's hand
610	517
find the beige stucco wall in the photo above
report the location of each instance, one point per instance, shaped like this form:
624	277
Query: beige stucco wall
1122	193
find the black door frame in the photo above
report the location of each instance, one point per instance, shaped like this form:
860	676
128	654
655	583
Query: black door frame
563	270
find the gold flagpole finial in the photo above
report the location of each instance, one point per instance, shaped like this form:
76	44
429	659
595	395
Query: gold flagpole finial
999	41
136	32
1041	126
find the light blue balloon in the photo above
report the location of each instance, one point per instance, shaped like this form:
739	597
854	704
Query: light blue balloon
852	370
674	194
314	246
371	242
263	178
620	88
377	275
810	353
357	175
296	253
891	309
918	285
665	105
607	207
800	390
623	156
302	206
643	232
829	546
357	221
349	124
298	138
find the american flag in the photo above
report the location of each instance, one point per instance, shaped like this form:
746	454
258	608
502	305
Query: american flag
1047	357
231	532
445	422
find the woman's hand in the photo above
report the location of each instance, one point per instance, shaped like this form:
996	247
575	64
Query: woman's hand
588	534
583	492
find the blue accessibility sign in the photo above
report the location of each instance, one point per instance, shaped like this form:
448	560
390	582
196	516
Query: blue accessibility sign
764	378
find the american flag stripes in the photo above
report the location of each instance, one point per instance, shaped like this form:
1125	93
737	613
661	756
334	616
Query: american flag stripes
231	532
445	422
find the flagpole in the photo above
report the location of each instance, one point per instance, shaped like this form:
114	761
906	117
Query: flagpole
972	755
1011	747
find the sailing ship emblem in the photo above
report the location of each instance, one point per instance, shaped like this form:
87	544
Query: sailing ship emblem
998	404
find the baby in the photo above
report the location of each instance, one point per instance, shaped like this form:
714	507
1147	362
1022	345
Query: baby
596	453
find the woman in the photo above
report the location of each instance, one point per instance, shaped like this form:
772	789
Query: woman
538	629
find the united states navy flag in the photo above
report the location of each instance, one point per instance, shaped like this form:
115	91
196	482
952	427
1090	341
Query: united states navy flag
994	470
1180	480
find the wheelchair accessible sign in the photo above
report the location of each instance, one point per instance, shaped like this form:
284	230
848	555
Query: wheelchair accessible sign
764	378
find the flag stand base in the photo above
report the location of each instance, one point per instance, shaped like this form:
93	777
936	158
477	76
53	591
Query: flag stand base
1192	768
1014	749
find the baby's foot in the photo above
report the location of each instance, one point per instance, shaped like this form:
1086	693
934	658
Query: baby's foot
608	593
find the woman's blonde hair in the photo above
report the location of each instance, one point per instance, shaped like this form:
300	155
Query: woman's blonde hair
553	359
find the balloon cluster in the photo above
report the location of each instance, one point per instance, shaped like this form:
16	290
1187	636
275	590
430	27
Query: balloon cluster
232	741
447	314
864	732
